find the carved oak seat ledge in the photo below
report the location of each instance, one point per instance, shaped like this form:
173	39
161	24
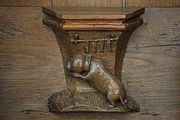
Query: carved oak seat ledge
93	42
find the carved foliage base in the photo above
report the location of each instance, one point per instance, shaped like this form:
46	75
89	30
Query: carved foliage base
65	101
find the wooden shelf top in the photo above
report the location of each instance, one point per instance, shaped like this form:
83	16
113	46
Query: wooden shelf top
94	13
94	18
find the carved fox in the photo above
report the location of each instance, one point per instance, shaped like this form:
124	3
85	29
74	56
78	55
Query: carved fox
98	75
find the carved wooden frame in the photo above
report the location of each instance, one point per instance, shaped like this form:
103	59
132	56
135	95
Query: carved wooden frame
69	100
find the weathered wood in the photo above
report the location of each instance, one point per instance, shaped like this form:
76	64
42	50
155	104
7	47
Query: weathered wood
95	26
92	3
95	13
59	17
120	51
23	3
31	67
87	3
85	67
153	3
30	61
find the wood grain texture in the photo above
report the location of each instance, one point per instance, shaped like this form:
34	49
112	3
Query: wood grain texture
100	13
153	3
31	67
87	3
30	61
58	17
92	3
26	3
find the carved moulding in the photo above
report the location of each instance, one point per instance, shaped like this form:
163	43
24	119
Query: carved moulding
93	84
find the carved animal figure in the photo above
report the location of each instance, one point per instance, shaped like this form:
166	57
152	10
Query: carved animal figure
98	75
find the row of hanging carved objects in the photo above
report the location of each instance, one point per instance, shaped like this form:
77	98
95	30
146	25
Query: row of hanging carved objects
96	45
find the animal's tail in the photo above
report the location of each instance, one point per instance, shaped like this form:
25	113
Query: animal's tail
123	103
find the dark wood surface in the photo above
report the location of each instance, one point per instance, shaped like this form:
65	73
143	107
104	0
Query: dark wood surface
31	67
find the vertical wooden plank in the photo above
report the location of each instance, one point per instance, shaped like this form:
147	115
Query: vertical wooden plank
153	3
87	3
25	3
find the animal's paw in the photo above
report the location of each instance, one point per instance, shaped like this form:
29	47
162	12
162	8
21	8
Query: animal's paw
111	106
76	75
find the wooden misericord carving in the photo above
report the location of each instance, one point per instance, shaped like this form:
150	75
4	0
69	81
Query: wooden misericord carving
93	43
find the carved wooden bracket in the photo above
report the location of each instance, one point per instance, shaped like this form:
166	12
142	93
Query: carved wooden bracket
93	65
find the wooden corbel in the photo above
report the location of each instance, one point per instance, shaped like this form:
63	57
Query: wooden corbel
92	96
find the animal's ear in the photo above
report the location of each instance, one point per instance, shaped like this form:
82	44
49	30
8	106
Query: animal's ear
87	62
69	64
